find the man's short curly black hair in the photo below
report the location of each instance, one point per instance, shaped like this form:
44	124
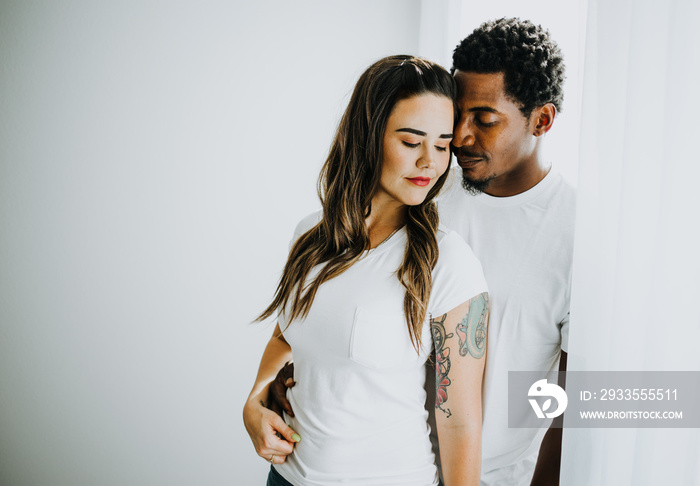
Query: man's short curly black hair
531	61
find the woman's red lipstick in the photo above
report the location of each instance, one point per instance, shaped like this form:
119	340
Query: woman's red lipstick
420	181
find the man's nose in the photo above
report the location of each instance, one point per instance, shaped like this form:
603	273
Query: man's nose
464	134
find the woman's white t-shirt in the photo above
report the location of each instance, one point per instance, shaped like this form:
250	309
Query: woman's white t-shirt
359	398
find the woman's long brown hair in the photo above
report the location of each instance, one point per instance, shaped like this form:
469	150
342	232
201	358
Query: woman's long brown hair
348	181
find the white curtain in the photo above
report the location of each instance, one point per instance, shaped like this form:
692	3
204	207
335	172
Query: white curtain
636	287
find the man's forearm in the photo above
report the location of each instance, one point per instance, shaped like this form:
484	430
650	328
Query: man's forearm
549	459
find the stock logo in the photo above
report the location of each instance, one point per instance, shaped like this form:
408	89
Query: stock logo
543	389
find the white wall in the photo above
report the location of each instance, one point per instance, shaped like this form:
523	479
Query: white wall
146	151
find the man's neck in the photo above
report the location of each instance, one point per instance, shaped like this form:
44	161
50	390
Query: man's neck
519	180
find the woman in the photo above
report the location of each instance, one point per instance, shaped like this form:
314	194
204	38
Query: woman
362	280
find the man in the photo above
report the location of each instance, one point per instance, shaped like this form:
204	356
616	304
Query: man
518	218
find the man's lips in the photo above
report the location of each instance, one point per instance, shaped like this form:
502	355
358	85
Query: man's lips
419	181
465	161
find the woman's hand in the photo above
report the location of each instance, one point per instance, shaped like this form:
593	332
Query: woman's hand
273	439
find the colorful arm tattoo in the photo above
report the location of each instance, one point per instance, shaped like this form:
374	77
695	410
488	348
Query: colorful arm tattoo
472	329
472	341
442	362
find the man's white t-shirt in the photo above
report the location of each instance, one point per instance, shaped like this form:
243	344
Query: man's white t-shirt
359	395
525	245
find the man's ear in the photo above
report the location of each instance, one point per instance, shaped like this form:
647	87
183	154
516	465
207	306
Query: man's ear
543	119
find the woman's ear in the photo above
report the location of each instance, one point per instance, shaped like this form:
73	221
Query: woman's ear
543	119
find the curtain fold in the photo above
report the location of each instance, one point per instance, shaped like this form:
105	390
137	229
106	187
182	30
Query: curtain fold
636	284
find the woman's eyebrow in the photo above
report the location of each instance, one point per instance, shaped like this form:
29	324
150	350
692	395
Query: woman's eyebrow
423	134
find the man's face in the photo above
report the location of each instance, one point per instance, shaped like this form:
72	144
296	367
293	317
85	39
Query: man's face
493	141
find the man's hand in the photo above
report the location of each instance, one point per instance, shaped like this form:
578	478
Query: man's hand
273	439
277	398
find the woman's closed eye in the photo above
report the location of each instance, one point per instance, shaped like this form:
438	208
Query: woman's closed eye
410	145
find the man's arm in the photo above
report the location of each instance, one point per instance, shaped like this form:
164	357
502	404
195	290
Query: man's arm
272	437
549	458
459	339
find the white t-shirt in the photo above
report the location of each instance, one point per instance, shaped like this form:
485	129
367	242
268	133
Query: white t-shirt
525	245
359	398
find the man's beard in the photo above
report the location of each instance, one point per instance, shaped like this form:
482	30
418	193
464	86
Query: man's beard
471	185
476	187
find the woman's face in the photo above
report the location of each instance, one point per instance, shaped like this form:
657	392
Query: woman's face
416	148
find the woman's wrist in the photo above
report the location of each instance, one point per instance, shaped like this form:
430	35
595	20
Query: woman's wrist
258	396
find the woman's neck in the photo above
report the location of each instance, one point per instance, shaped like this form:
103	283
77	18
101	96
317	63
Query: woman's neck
384	220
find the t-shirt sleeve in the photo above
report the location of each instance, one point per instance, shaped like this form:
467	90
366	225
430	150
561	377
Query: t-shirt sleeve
305	225
302	227
457	276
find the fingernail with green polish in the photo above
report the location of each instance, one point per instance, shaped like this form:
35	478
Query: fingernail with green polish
296	437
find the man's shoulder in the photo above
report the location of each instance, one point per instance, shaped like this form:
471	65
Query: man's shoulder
561	200
564	189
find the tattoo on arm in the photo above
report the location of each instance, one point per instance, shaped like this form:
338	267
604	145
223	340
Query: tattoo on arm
472	329
442	362
472	341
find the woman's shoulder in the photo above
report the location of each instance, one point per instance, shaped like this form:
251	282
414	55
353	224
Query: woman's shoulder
305	225
457	276
454	252
308	222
